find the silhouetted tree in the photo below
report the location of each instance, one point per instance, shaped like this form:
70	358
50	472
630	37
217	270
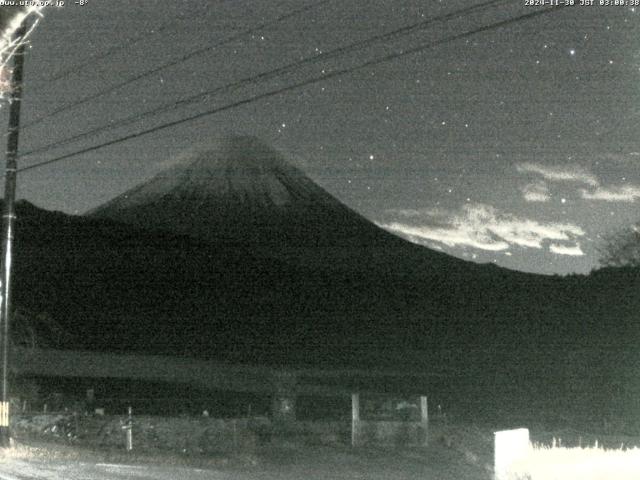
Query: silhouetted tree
7	13
31	329
621	249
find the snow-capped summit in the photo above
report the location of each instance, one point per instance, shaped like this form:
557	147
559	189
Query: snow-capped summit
244	193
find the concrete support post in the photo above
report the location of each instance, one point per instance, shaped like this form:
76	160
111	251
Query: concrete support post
424	418
128	430
355	419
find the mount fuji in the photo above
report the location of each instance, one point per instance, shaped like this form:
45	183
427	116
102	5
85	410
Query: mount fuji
243	194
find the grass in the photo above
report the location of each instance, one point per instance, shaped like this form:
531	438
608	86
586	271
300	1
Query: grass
44	450
578	463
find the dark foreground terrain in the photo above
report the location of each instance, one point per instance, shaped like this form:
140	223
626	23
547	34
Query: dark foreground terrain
460	452
279	459
92	447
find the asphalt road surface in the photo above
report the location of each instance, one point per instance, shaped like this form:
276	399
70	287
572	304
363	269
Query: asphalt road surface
65	470
320	465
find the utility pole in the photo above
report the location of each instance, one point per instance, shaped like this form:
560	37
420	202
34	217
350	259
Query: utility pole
8	216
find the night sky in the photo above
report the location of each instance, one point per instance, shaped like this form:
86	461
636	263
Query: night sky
517	145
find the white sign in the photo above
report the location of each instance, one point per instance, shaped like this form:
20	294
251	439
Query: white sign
510	447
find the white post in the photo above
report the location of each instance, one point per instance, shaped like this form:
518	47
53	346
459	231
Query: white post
510	446
424	417
129	430
355	418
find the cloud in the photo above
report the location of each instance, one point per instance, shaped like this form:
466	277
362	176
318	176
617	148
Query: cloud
455	236
627	193
574	173
539	191
415	212
483	227
536	192
572	250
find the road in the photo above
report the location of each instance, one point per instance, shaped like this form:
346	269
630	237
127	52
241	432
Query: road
64	470
320	464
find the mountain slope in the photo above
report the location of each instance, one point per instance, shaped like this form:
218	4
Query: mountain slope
243	194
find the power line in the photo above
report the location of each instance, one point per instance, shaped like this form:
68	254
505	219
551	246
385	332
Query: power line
172	63
111	51
269	74
370	63
302	84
